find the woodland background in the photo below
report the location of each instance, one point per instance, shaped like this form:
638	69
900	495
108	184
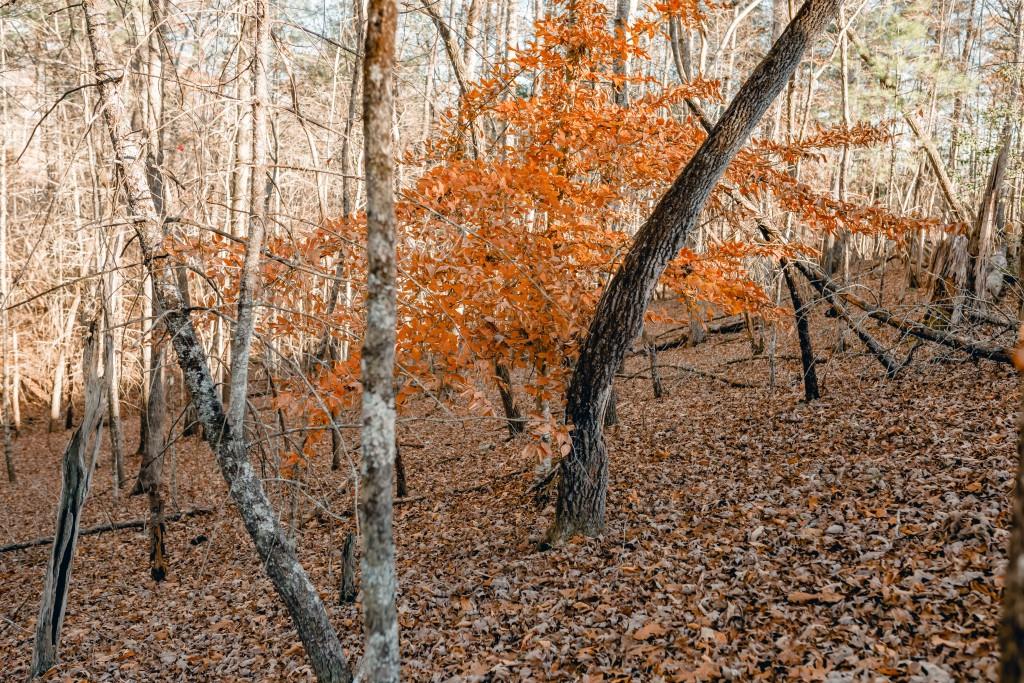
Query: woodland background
759	527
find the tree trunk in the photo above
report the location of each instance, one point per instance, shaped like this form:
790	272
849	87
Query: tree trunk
84	445
224	436
804	334
111	370
513	418
59	370
380	663
150	478
401	486
622	11
347	592
619	316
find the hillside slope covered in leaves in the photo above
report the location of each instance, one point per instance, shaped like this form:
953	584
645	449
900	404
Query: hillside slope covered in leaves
751	536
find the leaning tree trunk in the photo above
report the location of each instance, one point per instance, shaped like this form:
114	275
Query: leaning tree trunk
226	437
380	662
582	487
75	473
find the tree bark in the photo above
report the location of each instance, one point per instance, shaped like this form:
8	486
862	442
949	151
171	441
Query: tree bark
348	590
84	445
618	320
224	436
513	418
804	334
380	663
150	478
621	22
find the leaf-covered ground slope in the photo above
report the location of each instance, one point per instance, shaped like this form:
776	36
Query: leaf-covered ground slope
750	537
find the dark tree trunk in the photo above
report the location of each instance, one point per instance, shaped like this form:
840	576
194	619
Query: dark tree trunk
401	488
619	317
348	590
337	445
513	418
611	413
804	333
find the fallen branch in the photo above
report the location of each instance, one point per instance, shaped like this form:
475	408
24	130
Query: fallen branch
695	371
1004	322
974	349
103	528
727	326
892	367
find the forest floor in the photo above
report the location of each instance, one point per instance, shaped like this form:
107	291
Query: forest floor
750	536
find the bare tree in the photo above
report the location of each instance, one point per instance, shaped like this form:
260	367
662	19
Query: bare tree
225	435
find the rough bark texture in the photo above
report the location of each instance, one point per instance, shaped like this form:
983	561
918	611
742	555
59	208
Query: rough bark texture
75	472
348	590
380	619
619	316
225	437
513	418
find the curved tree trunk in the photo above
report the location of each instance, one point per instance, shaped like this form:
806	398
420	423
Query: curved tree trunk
619	317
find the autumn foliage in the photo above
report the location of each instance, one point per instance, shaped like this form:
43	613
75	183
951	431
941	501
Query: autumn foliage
520	211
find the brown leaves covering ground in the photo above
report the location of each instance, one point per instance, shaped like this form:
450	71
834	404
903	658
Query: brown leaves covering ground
750	537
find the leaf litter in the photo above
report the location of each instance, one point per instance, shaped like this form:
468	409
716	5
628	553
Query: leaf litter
750	536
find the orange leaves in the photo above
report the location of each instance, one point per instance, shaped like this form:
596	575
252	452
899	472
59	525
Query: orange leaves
506	244
1017	356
